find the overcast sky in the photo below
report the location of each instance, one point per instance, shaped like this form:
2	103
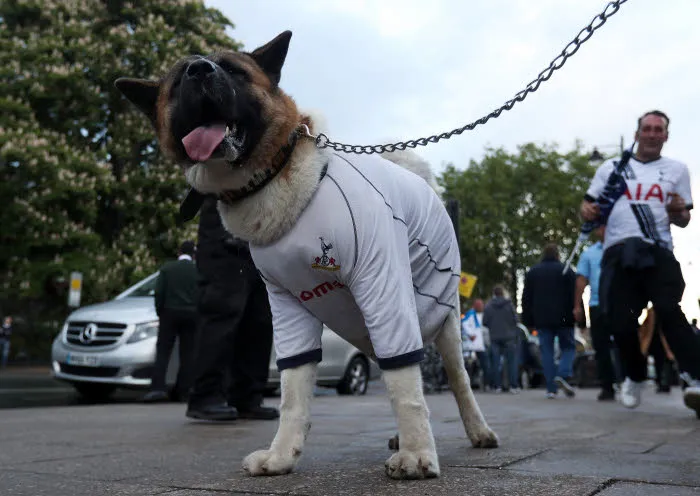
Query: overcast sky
393	70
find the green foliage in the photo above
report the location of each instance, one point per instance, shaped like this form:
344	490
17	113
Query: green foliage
83	183
511	205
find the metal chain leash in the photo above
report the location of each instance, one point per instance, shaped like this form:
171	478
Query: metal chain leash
611	9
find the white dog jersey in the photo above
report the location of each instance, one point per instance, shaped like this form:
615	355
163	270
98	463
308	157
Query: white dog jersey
373	256
641	211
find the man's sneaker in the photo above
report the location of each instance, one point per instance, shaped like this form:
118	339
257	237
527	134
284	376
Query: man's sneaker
691	397
566	387
551	396
631	393
515	391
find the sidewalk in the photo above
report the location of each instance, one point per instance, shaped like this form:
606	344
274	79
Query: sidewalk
562	447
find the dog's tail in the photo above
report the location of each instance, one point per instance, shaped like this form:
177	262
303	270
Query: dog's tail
410	160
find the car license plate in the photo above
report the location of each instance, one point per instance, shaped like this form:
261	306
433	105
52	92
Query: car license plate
85	360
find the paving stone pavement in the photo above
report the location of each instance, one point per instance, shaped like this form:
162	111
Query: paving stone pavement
576	447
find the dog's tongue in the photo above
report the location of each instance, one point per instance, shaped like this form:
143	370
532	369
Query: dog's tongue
201	142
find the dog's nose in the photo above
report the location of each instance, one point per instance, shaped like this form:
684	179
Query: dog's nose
200	68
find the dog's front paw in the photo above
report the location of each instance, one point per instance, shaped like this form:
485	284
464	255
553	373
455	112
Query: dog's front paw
483	438
269	462
412	465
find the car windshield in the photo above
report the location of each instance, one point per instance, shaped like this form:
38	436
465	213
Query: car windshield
147	287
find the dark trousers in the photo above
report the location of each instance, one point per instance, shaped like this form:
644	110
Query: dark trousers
628	291
180	325
234	341
601	336
505	348
663	367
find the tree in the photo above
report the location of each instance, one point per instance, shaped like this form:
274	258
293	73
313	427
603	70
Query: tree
83	183
511	205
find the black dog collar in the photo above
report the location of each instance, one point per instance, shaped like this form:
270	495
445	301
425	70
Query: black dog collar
194	199
261	178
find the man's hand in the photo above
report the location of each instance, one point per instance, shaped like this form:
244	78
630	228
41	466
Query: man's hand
678	214
676	204
589	211
579	315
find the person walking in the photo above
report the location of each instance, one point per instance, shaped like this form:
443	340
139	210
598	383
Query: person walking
5	335
547	306
476	339
638	262
502	321
176	306
588	274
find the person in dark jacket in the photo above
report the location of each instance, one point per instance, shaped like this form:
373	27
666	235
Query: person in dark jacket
502	321
547	307
5	335
176	306
234	341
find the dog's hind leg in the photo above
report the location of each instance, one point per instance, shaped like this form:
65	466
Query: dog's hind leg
284	453
417	458
449	344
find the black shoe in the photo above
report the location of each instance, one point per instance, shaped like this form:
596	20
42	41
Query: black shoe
606	395
156	397
663	388
259	413
219	411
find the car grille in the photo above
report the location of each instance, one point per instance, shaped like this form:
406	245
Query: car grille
89	371
104	334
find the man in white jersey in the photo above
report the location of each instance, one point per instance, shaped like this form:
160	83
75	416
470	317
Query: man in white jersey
638	262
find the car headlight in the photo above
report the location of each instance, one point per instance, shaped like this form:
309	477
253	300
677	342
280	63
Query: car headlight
144	331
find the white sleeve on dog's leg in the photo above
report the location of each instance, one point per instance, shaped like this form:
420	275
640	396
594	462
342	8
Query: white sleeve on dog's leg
405	387
295	417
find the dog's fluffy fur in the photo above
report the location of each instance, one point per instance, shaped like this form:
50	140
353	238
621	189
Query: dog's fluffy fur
268	214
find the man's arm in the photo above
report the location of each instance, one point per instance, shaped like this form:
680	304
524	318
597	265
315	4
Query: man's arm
589	210
681	200
486	318
678	212
581	283
159	293
527	302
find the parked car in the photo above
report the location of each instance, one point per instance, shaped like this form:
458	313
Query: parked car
111	345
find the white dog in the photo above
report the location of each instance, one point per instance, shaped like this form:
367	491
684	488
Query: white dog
355	242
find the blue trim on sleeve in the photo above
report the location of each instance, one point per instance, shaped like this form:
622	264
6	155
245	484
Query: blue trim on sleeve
300	359
396	362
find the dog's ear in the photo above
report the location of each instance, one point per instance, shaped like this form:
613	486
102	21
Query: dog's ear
270	57
141	92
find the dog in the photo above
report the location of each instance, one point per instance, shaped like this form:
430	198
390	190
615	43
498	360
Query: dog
355	242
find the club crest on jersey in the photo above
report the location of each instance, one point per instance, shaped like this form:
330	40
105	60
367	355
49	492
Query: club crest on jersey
325	261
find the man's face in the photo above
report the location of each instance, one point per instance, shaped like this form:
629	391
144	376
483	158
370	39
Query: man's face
479	305
651	136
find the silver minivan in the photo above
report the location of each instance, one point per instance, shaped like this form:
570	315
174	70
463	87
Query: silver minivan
109	345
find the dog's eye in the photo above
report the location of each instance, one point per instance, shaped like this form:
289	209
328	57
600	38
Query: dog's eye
233	69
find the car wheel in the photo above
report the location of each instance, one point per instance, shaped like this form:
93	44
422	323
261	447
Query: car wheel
94	392
356	378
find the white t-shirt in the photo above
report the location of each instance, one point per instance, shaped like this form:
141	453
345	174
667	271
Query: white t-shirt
641	211
373	256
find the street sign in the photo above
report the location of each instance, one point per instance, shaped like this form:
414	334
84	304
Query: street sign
76	285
